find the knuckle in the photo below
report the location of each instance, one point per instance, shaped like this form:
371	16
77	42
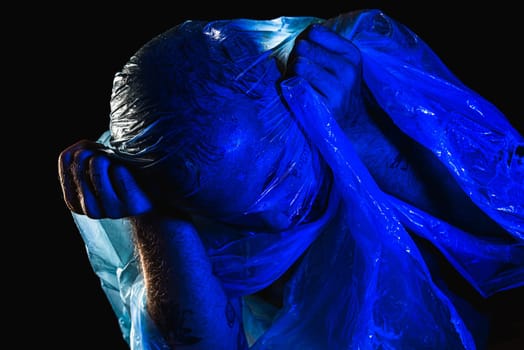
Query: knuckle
303	65
98	163
72	207
302	47
90	206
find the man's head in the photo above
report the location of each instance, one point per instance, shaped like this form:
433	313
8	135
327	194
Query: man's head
197	112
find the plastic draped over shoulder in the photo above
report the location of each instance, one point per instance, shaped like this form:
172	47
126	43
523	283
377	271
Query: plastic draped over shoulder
427	102
471	137
363	283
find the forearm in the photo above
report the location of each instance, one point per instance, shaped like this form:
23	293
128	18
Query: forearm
184	299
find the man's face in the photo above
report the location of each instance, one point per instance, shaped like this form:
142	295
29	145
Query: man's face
258	180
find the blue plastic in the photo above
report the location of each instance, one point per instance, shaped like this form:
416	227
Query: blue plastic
363	283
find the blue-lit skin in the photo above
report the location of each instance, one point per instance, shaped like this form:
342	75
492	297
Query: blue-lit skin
226	190
382	147
98	184
94	185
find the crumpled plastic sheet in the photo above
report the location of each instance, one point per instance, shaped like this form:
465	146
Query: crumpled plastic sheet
363	283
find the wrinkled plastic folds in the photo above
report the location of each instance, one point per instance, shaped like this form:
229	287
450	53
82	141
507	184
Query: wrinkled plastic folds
363	283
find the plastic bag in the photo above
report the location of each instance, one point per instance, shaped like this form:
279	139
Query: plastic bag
363	282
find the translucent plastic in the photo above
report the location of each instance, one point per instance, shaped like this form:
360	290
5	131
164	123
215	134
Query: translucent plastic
363	283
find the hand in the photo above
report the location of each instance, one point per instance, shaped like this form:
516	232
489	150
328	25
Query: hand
96	185
332	66
185	299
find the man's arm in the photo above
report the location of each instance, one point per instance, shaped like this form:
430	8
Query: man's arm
184	298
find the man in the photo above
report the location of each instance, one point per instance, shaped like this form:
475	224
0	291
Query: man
284	177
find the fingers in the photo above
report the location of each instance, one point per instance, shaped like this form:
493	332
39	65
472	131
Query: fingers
86	192
67	163
333	42
321	78
98	186
330	64
133	199
100	179
327	49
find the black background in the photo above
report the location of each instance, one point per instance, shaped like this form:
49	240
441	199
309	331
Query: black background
73	53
